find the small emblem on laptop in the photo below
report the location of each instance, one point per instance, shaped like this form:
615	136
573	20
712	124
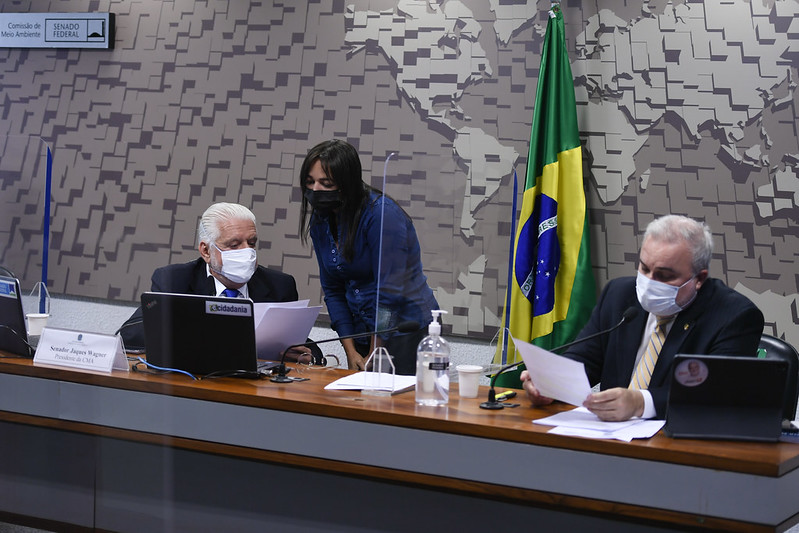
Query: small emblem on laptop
691	372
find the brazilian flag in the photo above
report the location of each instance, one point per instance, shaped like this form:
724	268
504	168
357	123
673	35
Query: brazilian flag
552	291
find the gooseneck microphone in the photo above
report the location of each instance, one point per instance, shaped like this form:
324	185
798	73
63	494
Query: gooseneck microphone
492	402
403	327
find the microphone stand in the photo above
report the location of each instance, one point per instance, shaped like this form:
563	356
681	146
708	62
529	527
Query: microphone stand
403	327
493	404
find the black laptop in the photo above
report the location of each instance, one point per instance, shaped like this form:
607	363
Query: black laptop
13	333
726	397
200	334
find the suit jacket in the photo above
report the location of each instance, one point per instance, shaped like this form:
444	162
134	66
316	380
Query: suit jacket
720	321
266	285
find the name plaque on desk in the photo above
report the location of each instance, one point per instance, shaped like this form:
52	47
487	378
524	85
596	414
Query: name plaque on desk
57	30
85	351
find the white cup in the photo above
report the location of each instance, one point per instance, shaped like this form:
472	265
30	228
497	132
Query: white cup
36	323
468	380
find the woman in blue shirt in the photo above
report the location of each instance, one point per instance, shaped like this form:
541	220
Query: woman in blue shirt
365	243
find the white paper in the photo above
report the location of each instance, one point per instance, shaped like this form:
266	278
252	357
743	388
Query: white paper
582	418
77	349
580	422
260	308
555	376
279	326
382	380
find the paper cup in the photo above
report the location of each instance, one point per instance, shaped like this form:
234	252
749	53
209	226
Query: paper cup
36	323
468	380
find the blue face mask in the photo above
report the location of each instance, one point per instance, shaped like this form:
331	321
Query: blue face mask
660	298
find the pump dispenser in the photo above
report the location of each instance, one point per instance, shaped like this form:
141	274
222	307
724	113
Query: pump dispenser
432	366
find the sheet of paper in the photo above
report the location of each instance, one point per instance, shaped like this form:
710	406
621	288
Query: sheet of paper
580	422
281	327
645	429
360	381
582	418
555	376
260	308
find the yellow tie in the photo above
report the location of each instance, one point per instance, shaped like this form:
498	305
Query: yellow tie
643	372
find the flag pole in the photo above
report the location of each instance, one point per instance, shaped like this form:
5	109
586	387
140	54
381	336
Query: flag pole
506	330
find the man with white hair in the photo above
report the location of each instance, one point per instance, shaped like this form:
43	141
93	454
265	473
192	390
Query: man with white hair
680	309
227	266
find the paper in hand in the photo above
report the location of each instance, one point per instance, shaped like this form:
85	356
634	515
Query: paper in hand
555	376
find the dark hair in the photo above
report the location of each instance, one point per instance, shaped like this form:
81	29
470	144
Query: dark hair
341	163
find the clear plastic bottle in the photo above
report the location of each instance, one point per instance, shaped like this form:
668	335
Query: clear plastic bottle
432	366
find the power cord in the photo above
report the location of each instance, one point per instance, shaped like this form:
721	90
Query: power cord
31	349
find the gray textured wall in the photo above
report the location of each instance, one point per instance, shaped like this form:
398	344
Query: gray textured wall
684	107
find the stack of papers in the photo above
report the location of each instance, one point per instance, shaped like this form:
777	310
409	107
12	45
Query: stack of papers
279	325
564	379
581	422
374	380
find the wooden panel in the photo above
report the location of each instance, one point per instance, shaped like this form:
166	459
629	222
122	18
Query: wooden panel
464	417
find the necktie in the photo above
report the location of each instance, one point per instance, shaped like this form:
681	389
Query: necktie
231	293
643	372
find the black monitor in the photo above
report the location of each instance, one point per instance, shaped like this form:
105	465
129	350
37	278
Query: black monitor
199	334
13	334
726	397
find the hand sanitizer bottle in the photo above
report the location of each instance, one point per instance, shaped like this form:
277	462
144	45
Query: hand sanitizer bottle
432	366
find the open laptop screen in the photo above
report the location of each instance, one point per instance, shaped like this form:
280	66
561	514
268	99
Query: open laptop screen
199	334
726	397
13	334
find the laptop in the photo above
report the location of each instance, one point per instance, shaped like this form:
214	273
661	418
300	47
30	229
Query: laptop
13	333
200	334
726	397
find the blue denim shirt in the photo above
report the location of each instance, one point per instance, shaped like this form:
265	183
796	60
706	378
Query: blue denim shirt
351	288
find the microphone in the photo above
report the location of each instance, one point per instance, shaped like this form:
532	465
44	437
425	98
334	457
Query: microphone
492	403
402	327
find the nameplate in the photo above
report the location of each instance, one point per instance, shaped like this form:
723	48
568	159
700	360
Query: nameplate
85	351
57	30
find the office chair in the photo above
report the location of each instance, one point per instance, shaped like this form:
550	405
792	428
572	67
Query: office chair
779	349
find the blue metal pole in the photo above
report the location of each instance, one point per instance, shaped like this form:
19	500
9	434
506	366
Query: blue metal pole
46	231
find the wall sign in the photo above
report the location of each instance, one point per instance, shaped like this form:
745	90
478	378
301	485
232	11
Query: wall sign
57	30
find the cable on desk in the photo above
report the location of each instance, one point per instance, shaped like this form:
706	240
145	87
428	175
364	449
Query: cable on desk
164	370
31	349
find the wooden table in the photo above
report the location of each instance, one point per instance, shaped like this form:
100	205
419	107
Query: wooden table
135	452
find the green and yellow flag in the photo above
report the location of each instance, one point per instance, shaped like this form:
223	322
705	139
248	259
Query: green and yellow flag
552	287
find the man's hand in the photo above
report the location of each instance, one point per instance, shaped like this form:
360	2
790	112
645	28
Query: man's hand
532	393
300	354
615	405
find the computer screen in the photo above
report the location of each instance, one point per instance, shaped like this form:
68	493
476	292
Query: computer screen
13	335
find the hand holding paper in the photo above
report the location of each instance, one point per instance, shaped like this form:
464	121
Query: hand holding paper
555	376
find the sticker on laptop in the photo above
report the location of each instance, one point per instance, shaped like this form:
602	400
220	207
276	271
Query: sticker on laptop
691	372
8	289
224	308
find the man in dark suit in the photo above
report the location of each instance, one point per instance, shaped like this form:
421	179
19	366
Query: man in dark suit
227	266
680	310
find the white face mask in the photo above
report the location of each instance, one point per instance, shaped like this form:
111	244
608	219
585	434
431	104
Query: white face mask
660	298
237	265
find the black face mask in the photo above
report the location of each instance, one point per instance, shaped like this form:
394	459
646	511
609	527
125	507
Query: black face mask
323	202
